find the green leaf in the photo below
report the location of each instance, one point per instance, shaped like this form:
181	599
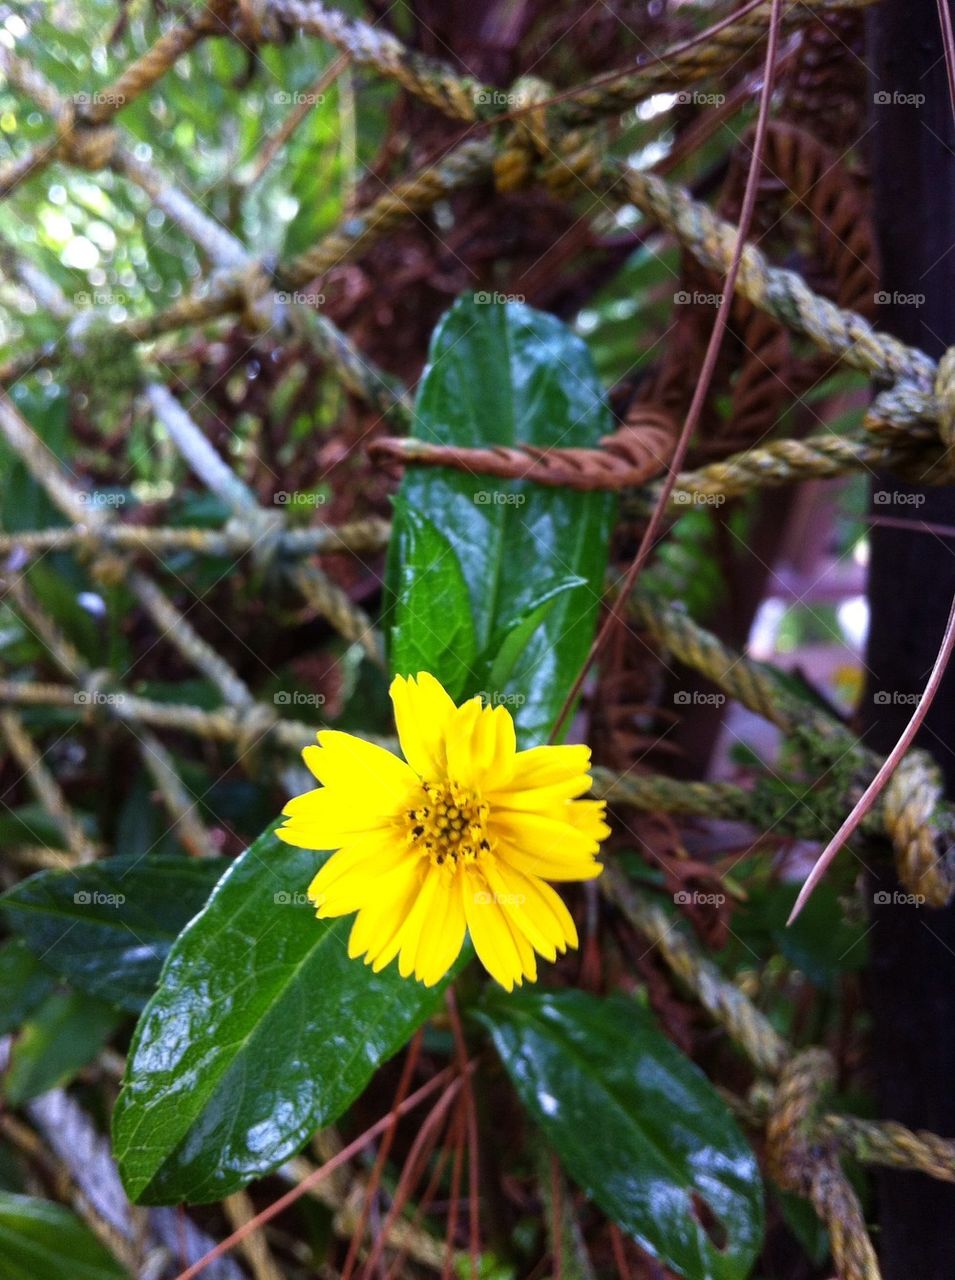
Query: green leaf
24	983
432	629
40	1240
64	1035
108	926
507	375
824	943
262	1031
636	1124
513	643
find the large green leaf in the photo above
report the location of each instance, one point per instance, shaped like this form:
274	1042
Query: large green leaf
636	1124
262	1031
65	1033
433	629
505	374
108	926
43	1241
24	983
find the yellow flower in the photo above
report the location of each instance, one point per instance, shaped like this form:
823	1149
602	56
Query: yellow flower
462	836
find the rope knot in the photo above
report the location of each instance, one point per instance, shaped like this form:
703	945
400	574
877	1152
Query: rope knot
567	159
577	162
527	141
95	694
803	1158
109	569
792	1150
254	23
253	284
921	834
82	144
255	723
268	532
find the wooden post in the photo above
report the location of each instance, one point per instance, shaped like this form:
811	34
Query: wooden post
912	581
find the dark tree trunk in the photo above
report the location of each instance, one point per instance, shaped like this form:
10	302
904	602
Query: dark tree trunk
912	975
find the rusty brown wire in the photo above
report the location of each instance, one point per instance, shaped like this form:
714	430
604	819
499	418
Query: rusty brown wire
629	457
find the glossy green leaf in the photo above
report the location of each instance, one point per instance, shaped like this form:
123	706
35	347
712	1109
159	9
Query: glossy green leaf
506	374
432	630
108	926
40	1240
65	1033
637	1125
505	653
24	984
262	1031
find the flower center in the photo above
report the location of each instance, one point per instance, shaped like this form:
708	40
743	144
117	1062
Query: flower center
449	825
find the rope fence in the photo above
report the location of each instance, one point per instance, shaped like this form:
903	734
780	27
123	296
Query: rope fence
532	135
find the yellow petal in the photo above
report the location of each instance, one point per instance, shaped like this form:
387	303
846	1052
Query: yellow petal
342	760
422	712
540	905
540	834
381	918
443	934
543	799
409	937
506	885
547	766
525	952
325	819
352	876
461	767
589	816
493	747
553	866
534	908
492	938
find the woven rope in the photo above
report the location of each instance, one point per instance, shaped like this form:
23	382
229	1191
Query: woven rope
920	824
802	1163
